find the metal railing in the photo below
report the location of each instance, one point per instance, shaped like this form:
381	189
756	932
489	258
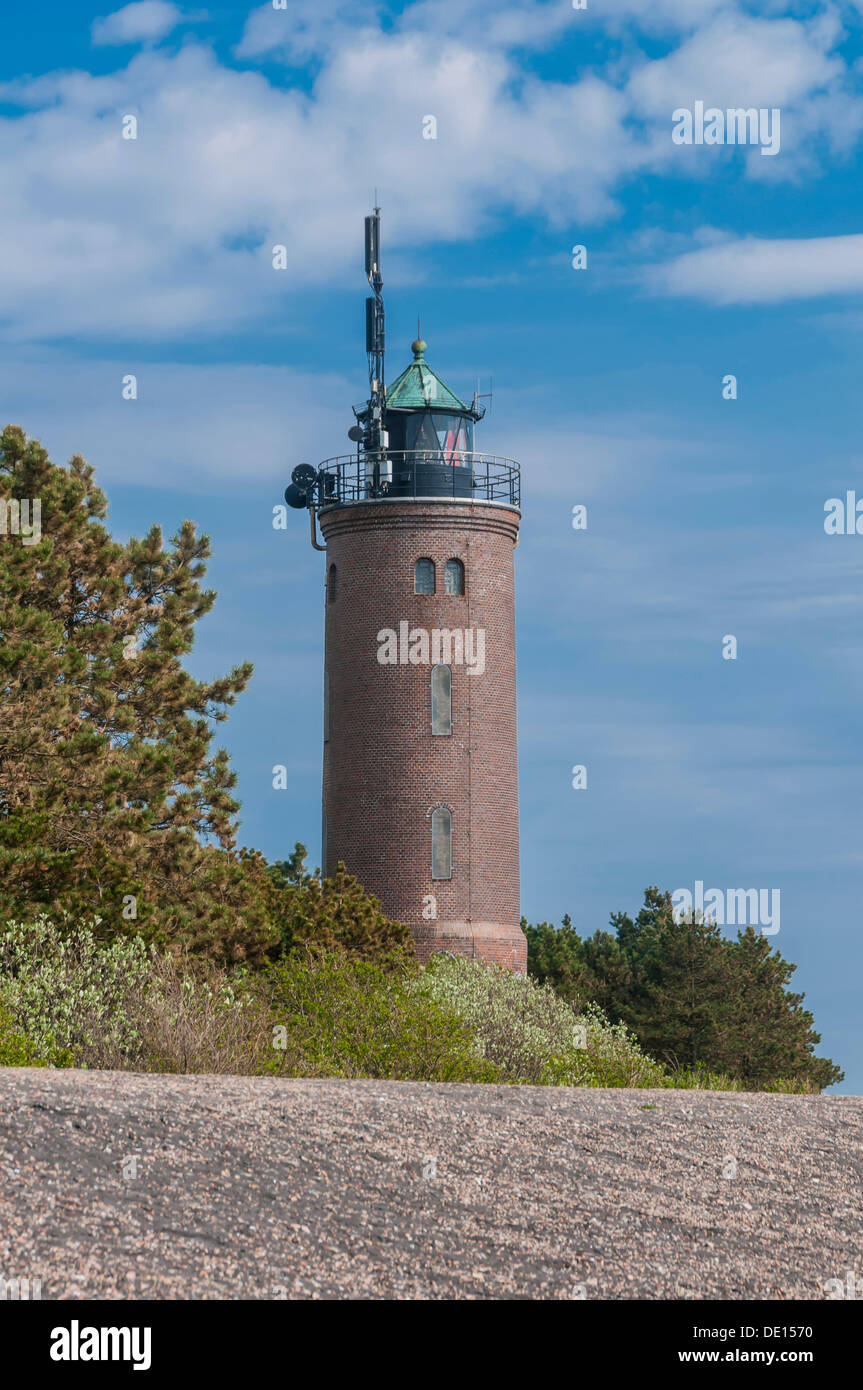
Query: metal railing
437	473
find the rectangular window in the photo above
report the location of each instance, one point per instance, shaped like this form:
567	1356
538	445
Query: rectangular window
441	700
441	837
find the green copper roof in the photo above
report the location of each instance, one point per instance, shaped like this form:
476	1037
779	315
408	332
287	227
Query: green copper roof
418	387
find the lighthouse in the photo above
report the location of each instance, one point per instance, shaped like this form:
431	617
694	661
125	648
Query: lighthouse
420	777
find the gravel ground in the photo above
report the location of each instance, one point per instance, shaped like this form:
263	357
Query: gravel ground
257	1188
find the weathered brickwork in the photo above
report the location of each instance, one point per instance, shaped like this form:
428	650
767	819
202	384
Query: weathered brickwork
384	770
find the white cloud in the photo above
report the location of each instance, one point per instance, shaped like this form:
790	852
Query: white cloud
142	22
658	16
172	233
175	230
303	30
736	61
752	270
300	31
740	61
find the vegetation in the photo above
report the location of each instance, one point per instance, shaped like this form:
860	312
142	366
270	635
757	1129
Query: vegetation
123	1004
110	796
334	915
695	999
67	999
17	1050
531	1034
334	1015
62	988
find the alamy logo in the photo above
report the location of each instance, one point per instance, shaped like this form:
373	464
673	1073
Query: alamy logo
736	126
20	1290
852	1288
21	518
442	646
77	1343
844	515
741	907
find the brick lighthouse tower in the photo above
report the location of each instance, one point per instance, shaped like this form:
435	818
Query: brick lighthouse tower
420	783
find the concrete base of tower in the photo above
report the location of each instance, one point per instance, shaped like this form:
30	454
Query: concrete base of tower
494	943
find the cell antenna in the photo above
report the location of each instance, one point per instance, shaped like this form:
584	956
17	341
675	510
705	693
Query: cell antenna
375	321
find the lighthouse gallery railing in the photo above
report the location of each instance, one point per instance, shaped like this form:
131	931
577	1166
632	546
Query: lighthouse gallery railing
417	473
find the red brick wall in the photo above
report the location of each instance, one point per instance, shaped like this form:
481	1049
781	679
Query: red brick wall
384	771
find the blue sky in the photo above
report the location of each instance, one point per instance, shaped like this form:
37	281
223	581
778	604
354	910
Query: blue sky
705	516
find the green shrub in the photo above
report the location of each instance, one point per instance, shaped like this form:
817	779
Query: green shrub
17	1050
62	988
123	1005
67	999
531	1034
345	1017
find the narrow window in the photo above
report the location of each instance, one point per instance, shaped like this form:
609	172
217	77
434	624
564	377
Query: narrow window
441	700
331	584
441	837
453	577
424	577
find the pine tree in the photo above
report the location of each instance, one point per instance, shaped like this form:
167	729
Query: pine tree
596	969
767	1033
338	915
293	869
681	983
111	800
693	997
554	955
609	979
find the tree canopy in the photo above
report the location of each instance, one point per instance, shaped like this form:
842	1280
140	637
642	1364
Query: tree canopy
692	996
113	802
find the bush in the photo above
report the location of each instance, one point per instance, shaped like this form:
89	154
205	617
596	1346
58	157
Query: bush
67	999
73	1000
17	1050
125	1006
531	1034
337	1016
194	1016
61	988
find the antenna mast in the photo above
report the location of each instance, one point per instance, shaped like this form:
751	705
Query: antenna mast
375	333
